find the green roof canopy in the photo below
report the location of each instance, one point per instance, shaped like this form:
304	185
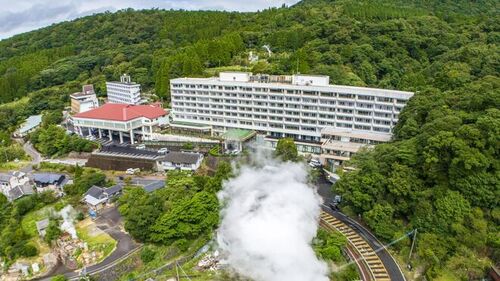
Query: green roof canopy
238	134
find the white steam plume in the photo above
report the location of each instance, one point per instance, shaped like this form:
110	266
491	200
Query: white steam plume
269	219
68	215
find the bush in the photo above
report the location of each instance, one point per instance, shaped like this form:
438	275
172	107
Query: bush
59	278
188	146
147	255
25	204
29	250
80	216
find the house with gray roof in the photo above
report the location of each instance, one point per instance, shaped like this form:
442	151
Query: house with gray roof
15	185
180	160
98	197
49	181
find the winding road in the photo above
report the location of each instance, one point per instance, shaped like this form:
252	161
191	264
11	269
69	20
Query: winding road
360	237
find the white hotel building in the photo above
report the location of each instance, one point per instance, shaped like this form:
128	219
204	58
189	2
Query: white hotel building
330	120
125	91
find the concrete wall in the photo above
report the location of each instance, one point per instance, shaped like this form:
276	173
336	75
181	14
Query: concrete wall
105	162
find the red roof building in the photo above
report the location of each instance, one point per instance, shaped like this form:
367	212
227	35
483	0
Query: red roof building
123	112
123	121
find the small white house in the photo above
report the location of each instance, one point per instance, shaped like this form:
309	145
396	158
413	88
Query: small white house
174	160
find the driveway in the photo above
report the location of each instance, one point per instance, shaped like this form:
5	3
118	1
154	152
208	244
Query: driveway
36	158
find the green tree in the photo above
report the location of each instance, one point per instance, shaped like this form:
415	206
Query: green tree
188	219
52	232
286	150
54	117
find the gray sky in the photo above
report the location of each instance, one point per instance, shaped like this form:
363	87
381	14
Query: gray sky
18	16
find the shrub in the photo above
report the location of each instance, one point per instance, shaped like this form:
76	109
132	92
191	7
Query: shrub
59	278
147	255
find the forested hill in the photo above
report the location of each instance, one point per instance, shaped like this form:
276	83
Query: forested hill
374	43
440	175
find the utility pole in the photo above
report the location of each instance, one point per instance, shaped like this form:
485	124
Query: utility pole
412	246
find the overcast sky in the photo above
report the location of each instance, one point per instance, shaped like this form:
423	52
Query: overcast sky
18	16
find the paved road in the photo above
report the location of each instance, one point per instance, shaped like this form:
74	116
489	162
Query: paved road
36	158
149	184
108	221
324	190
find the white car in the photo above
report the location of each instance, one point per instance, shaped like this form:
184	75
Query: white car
141	146
163	150
131	171
315	163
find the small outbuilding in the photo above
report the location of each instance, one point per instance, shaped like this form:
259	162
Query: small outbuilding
41	226
234	139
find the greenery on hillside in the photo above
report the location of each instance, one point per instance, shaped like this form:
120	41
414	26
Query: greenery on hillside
17	219
184	211
14	240
440	175
52	140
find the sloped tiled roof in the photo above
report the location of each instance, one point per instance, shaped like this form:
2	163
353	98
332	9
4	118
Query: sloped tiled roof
123	112
48	178
181	157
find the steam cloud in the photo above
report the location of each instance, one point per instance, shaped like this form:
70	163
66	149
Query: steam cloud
68	214
269	219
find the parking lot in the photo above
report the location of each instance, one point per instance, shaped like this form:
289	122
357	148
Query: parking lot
129	152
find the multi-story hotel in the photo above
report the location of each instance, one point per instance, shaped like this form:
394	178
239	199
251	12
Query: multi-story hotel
330	120
84	100
124	91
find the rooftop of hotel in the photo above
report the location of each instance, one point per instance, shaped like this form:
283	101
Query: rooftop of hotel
343	132
87	90
315	82
125	80
123	112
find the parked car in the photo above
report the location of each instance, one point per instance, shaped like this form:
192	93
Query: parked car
163	150
315	163
141	146
131	171
90	137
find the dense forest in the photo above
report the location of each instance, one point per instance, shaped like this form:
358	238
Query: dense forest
440	174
